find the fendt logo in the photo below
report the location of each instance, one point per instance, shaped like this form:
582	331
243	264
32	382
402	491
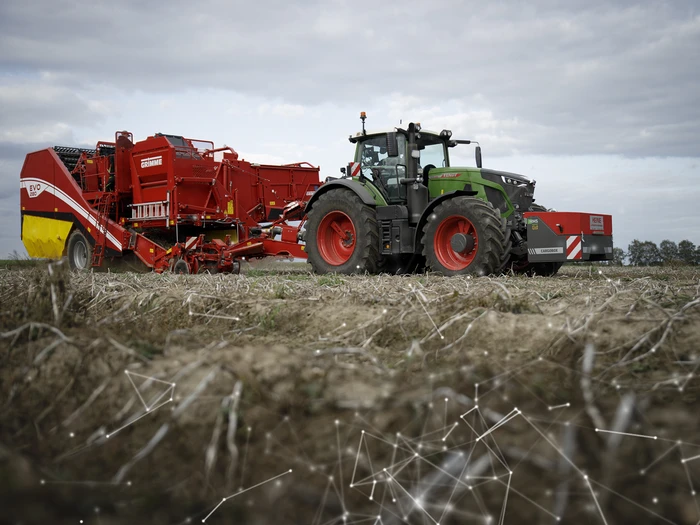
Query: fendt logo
34	190
152	161
597	222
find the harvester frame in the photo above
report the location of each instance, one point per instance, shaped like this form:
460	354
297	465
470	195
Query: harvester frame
165	200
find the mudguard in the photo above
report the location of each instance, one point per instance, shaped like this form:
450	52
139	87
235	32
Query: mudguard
350	184
431	206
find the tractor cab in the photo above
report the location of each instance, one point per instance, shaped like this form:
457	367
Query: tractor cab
385	160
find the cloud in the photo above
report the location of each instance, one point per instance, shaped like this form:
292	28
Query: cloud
576	77
281	110
587	96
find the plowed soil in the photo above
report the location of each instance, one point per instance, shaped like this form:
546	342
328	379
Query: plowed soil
279	396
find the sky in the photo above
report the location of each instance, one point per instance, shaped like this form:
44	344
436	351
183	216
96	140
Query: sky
598	101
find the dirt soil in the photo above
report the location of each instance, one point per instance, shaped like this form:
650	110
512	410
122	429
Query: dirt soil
279	396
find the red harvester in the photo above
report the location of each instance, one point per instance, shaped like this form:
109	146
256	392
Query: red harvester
166	200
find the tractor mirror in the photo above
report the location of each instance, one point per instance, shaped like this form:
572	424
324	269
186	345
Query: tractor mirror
392	144
477	153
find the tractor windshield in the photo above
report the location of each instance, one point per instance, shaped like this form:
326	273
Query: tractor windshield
432	152
384	171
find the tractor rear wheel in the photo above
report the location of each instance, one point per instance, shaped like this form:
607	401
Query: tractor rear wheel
342	234
464	235
79	251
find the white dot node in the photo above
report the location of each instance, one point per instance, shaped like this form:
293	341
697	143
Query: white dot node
43	482
655	500
72	434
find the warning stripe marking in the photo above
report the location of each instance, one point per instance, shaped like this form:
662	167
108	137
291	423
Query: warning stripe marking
75	206
355	169
573	247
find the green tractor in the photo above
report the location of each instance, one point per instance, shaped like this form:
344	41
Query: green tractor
401	207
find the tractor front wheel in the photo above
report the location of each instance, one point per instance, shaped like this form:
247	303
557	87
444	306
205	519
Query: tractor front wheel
464	235
342	234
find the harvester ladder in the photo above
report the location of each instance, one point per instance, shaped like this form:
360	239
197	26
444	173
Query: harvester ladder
103	206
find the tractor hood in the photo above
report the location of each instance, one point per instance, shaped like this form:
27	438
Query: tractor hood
520	189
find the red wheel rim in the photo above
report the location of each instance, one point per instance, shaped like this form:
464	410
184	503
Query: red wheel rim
449	258
336	238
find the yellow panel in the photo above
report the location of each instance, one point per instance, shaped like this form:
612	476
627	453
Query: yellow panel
45	238
230	208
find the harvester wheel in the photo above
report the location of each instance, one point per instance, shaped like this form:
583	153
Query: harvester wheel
181	267
464	235
342	234
79	251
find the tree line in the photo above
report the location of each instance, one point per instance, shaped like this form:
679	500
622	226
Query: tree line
647	253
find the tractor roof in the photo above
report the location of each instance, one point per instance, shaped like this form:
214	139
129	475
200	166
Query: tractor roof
359	135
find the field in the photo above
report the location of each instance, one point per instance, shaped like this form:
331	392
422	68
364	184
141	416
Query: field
279	396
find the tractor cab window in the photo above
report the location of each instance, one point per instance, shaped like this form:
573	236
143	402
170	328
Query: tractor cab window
432	152
382	170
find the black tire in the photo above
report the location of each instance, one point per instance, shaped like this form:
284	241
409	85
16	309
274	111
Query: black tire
505	259
329	252
79	252
486	231
181	267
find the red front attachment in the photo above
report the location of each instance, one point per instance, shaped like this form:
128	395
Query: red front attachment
568	236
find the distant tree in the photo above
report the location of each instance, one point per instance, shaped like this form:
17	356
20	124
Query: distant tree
643	253
618	257
697	255
668	251
687	252
634	252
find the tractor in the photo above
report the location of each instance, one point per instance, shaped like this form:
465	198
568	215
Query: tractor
401	207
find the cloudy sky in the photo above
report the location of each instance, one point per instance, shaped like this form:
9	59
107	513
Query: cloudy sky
597	101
